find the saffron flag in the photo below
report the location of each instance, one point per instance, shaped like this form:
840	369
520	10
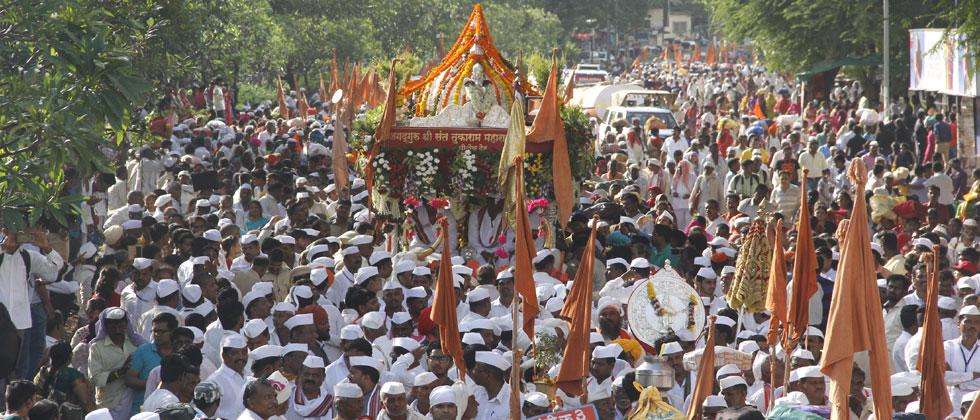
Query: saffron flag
548	126
283	111
334	74
383	131
514	143
757	109
323	91
776	293
934	400
706	374
709	57
444	304
301	105
804	276
569	89
576	358
523	252
855	323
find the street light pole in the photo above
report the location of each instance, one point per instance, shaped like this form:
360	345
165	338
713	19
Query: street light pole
885	91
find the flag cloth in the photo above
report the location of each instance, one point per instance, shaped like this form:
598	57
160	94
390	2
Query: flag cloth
706	374
776	294
855	323
678	56
576	359
548	126
338	153
804	276
514	144
355	86
709	57
974	411
523	252
323	91
757	110
283	111
644	54
569	89
334	74
301	105
383	131
934	400
444	301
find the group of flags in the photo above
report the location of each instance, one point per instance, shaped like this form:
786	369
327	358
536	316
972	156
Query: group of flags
717	53
358	88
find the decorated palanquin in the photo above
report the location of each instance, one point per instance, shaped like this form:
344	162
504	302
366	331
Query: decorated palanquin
451	126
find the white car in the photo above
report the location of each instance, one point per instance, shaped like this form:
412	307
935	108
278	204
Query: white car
643	113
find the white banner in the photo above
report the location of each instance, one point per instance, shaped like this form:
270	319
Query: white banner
940	64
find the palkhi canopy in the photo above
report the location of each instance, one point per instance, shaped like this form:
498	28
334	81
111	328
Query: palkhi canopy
444	84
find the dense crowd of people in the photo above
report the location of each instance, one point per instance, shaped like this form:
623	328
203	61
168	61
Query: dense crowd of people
220	272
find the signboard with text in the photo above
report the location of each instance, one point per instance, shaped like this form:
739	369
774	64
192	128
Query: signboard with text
578	413
941	63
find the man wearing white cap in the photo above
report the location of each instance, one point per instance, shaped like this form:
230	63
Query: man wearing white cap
493	394
442	403
425	227
311	398
813	385
344	278
348	401
168	297
963	366
365	372
734	389
258	401
544	263
108	353
394	399
230	377
138	297
706	281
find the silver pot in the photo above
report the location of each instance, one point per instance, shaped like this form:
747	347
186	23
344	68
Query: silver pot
655	372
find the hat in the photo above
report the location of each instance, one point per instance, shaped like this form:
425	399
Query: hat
731	381
810	372
142	263
702	261
924	242
416	293
748	346
541	255
205	391
365	273
87	250
900	388
537	399
707	273
424	378
640	263
724	320
969	310
318	276
604	352
477	295
313	362
814	332
249	238
295	347
718	241
351	332
595	337
364	361
493	359
202	203
401	318
101	414
726	270
265	352
347	390
361	240
250	296
403	266
284	307
233	341
378	256
554	304
442	395
607	301
254	327
505	274
714	401
115	314
392	388
317	249
324	262
351	250
212	235
421	271
671	347
803	354
726	370
373	320
462	270
947	303
614	261
302	291
166	287
472	339
298	321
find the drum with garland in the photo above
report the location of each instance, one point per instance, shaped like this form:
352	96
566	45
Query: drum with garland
663	304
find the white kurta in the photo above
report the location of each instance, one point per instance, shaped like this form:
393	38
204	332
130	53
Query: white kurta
232	386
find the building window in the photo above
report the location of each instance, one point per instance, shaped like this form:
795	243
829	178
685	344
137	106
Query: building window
679	28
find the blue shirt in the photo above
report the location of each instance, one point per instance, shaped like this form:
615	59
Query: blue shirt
143	360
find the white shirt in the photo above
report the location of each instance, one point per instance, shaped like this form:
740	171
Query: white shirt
159	398
492	408
963	362
338	290
898	352
246	414
945	184
232	386
138	302
16	288
671	145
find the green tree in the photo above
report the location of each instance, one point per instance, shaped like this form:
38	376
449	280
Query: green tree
69	86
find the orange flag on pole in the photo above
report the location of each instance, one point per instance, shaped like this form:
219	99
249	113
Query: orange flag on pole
776	293
383	131
576	358
678	55
709	58
548	126
704	384
855	323
323	91
804	276
569	89
283	110
301	105
523	252
974	411
934	400
444	304
334	75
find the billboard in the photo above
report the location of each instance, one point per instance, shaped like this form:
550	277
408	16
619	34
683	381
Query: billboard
940	63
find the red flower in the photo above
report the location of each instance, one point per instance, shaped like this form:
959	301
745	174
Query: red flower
539	203
411	202
439	203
